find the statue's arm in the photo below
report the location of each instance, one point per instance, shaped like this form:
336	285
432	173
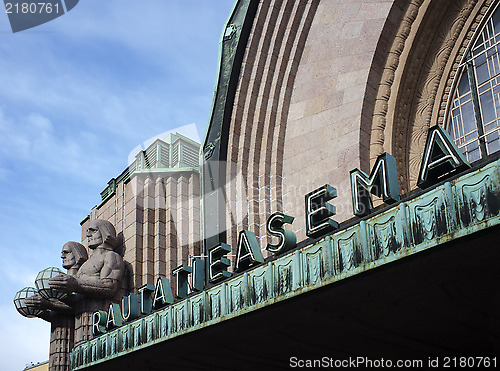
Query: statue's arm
49	308
94	286
59	306
56	305
46	315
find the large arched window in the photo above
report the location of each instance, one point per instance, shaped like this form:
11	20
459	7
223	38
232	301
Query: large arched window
474	111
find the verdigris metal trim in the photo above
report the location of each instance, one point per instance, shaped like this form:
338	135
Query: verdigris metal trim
231	52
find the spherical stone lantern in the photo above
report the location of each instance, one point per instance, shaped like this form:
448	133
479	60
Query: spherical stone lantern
20	304
42	283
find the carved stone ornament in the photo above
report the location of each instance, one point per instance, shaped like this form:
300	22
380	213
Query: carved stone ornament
417	76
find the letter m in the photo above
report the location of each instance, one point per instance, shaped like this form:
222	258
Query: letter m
382	182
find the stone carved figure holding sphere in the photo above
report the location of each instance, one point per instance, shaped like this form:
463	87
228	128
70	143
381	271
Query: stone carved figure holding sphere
99	276
73	256
68	300
98	280
61	312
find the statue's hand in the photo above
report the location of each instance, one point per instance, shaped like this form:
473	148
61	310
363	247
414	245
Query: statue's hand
36	301
64	283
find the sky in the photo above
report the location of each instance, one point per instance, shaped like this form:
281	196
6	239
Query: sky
78	95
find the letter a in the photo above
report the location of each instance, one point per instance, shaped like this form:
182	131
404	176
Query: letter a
248	253
442	159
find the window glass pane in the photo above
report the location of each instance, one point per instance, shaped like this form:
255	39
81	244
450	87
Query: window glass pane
485	87
487	107
482	73
496	21
481	93
493	142
473	152
478	50
469	122
465	98
489	30
471	136
452	134
496	96
494	62
463	85
490	127
478	47
455	127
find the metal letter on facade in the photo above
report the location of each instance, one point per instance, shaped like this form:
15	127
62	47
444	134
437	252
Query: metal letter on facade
218	263
441	159
318	211
287	239
382	182
248	252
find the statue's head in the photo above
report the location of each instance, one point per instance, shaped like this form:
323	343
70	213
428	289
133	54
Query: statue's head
73	255
101	232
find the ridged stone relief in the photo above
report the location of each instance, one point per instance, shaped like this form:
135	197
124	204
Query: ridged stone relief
258	122
388	76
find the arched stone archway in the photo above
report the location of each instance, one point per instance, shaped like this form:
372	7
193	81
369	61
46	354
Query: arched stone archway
416	77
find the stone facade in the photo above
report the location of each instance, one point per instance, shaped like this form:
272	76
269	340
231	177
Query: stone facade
324	138
326	86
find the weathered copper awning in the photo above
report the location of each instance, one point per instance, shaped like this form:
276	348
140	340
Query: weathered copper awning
418	278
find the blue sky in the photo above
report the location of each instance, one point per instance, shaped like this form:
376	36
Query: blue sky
77	95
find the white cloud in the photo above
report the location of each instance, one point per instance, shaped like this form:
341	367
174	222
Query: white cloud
32	139
154	27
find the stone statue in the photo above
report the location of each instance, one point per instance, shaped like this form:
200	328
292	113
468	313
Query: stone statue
97	282
73	256
90	283
61	314
100	275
